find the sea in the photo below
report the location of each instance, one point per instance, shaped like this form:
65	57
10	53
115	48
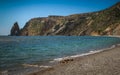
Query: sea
20	55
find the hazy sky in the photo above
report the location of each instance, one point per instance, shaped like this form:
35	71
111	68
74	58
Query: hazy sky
23	10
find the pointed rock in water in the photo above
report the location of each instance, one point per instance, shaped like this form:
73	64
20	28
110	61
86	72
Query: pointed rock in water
15	30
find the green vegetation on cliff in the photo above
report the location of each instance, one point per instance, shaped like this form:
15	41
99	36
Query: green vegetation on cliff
105	22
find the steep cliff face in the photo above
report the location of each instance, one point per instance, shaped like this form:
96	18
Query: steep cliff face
105	22
41	26
15	31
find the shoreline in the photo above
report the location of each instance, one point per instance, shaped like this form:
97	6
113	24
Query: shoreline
61	62
83	54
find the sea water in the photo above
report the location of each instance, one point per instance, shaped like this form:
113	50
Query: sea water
18	50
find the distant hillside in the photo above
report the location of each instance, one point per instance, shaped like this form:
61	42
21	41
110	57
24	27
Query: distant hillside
105	22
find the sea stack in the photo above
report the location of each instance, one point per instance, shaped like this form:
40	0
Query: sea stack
15	30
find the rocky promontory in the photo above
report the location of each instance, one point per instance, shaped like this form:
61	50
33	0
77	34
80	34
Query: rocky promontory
104	22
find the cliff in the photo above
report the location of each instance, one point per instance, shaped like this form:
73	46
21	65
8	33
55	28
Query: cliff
105	22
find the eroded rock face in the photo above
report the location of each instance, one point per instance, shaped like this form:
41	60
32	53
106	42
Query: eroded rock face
15	30
105	22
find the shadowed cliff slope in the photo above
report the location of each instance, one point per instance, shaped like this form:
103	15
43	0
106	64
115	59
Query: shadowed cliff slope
15	30
105	22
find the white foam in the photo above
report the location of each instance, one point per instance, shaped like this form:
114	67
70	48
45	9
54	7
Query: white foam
84	54
30	65
118	44
45	66
74	56
60	59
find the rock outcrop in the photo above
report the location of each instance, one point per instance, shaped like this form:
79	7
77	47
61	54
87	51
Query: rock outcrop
105	22
15	30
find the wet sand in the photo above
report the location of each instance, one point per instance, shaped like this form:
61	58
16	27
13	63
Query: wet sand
106	62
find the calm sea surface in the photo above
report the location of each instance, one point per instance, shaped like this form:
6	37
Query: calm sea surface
18	50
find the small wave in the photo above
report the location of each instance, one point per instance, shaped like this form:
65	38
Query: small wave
118	44
38	66
45	66
30	65
84	54
74	56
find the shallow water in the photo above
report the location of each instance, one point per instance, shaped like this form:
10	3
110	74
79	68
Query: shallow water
18	50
